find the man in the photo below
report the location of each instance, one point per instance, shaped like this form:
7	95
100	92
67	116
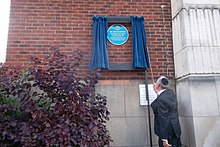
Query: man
166	119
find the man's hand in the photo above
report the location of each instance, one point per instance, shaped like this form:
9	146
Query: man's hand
165	143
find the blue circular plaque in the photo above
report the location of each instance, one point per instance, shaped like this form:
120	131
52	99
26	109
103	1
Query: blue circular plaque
117	34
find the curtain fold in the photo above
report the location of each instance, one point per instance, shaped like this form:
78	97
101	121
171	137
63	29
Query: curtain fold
140	51
99	57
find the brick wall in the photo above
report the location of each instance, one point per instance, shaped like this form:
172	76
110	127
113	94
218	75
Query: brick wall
36	25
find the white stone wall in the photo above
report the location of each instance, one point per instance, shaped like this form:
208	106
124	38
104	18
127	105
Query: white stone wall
199	109
196	40
128	123
196	46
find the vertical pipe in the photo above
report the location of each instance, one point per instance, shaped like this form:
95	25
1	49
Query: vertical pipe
148	102
165	39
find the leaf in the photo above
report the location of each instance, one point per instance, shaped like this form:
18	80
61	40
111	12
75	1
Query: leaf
13	124
47	125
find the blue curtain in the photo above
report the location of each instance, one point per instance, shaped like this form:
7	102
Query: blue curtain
140	51
99	58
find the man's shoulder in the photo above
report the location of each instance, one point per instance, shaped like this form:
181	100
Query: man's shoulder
169	91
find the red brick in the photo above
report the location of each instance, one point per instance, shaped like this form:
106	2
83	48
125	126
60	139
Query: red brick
35	25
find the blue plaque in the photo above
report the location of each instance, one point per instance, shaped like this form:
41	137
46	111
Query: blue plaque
117	34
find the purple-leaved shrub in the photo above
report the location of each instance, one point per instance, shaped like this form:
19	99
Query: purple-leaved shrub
49	103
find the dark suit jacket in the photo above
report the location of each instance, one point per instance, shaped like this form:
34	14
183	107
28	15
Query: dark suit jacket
166	119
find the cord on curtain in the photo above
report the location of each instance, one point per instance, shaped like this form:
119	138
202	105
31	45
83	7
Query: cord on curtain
99	58
140	51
